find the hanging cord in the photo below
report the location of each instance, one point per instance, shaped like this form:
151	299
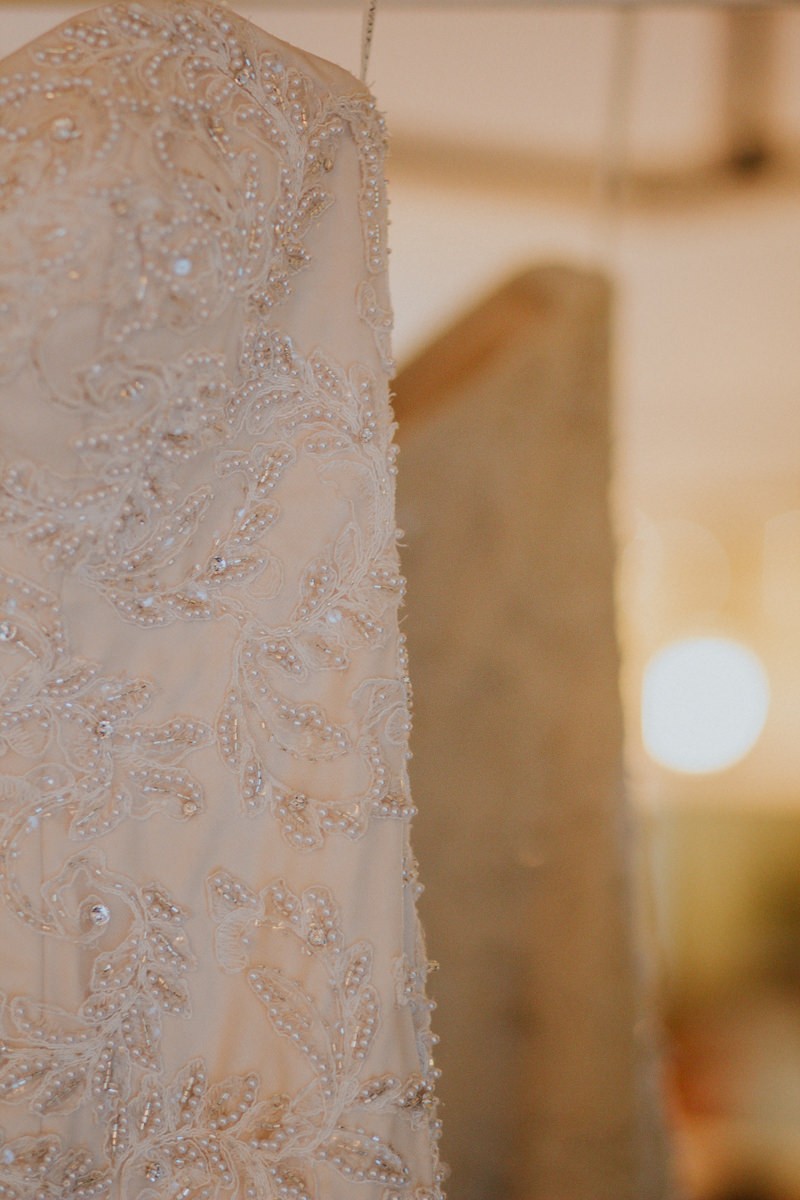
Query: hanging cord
367	30
612	168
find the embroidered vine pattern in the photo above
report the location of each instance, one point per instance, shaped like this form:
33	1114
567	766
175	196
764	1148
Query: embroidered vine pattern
345	600
333	1032
96	762
122	521
53	1060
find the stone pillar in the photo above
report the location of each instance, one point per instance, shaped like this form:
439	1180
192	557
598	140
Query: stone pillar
523	833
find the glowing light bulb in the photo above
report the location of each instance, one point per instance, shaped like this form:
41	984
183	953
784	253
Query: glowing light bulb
704	704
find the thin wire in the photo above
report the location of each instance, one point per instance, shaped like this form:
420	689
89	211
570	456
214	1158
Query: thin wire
367	30
612	168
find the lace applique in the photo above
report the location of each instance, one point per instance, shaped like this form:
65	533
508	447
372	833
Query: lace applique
334	1032
129	521
244	1143
207	107
97	763
54	1061
126	521
346	600
238	1141
37	1167
124	525
121	520
380	322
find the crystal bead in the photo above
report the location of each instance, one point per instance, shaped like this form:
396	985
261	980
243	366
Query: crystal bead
218	564
104	728
100	914
7	631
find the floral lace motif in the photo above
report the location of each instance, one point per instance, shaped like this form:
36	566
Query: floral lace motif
223	1139
196	459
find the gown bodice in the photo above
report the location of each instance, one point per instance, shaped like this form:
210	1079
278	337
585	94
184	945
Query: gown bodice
213	973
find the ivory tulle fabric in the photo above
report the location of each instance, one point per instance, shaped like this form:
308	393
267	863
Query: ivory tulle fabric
212	971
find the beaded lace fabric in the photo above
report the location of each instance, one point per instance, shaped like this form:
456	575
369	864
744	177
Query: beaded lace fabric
212	970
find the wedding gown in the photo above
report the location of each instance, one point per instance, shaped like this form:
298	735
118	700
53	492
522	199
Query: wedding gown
213	976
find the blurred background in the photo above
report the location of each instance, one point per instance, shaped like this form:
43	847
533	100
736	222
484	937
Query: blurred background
596	277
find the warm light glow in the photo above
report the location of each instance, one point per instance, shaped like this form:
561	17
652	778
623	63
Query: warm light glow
704	704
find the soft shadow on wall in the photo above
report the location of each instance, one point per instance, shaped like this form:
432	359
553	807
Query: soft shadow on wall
548	1058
